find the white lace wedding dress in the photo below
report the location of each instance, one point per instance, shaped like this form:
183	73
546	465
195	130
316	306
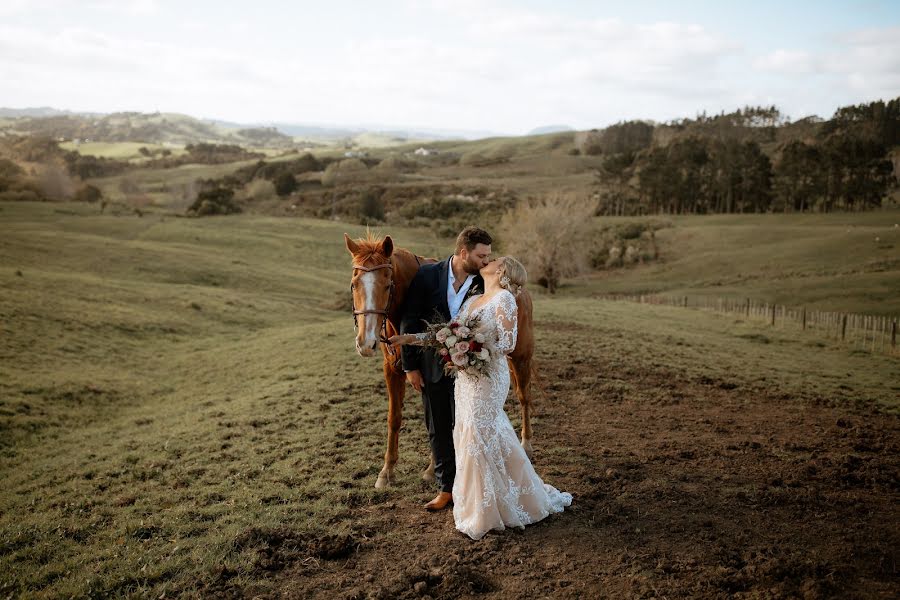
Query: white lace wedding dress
495	486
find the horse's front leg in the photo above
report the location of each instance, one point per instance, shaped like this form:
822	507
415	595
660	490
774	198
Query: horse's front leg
396	387
521	376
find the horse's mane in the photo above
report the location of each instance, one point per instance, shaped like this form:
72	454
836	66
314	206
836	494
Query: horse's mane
369	250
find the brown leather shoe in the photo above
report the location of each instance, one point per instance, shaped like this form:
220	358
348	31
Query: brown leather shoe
440	502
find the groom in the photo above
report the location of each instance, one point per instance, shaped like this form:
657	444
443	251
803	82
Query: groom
436	293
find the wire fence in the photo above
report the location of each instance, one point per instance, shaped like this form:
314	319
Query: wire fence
866	332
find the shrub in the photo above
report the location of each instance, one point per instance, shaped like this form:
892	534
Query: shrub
631	231
550	236
439	207
259	190
88	193
371	207
393	163
216	201
285	184
54	183
11	175
615	257
344	171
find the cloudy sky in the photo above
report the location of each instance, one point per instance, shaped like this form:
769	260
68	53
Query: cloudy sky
485	65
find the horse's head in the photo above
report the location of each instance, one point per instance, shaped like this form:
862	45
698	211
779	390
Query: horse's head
372	287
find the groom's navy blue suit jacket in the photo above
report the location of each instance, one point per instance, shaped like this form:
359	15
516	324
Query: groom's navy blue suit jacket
426	301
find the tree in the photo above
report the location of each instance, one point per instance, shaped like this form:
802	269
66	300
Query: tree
858	171
549	236
799	177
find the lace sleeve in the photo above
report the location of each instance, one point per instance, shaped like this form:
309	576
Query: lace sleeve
507	323
426	338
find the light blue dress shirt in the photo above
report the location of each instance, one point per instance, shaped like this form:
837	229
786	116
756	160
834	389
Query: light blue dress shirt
455	299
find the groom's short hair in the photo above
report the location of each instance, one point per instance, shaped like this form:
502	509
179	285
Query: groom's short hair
470	237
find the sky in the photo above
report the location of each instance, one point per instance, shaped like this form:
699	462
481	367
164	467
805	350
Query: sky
463	65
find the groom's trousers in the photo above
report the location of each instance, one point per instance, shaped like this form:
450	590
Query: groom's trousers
437	398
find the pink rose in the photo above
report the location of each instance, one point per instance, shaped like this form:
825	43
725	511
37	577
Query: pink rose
462	347
459	359
444	352
442	335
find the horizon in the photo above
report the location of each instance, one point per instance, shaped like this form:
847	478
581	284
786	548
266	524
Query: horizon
462	66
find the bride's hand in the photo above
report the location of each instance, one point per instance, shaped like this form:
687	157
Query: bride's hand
398	340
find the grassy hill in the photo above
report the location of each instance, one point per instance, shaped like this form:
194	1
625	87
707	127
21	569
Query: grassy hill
147	128
846	262
182	412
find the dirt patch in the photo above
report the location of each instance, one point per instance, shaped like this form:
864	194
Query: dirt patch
684	488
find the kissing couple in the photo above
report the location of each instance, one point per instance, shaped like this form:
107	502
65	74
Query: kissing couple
481	468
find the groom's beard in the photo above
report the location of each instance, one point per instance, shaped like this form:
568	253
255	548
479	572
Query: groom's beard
472	268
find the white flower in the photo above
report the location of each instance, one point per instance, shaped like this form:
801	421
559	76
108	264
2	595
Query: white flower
462	347
442	334
479	337
463	331
484	354
459	359
450	341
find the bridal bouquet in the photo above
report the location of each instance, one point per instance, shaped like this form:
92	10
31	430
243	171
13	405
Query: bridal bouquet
461	346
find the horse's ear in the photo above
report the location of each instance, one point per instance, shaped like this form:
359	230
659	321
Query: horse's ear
352	246
387	246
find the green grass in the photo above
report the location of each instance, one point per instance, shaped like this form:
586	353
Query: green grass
847	262
703	344
119	150
168	385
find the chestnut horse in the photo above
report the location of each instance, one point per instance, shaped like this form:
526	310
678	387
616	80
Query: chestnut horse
379	282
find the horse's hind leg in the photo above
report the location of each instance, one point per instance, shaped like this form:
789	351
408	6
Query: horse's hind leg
521	376
396	383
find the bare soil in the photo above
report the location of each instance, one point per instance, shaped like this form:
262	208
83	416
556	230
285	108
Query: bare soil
684	488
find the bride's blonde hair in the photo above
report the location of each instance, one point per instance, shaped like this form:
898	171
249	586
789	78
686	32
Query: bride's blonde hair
513	275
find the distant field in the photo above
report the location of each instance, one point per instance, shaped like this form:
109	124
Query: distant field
182	412
119	150
162	186
846	262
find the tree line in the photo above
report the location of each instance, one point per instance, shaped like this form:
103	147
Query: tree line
752	160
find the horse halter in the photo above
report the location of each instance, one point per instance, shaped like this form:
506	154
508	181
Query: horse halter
375	311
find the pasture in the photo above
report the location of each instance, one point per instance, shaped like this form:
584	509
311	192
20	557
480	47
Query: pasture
182	413
129	151
845	262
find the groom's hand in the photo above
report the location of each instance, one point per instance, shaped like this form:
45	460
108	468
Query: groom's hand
415	379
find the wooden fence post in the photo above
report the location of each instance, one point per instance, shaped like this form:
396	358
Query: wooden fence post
804	318
843	328
893	336
773	315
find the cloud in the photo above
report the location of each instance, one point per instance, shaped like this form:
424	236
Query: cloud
864	62
465	63
868	60
130	7
788	62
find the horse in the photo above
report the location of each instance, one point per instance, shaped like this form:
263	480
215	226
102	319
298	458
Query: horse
380	279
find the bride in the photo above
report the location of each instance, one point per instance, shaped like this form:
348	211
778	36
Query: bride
495	486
